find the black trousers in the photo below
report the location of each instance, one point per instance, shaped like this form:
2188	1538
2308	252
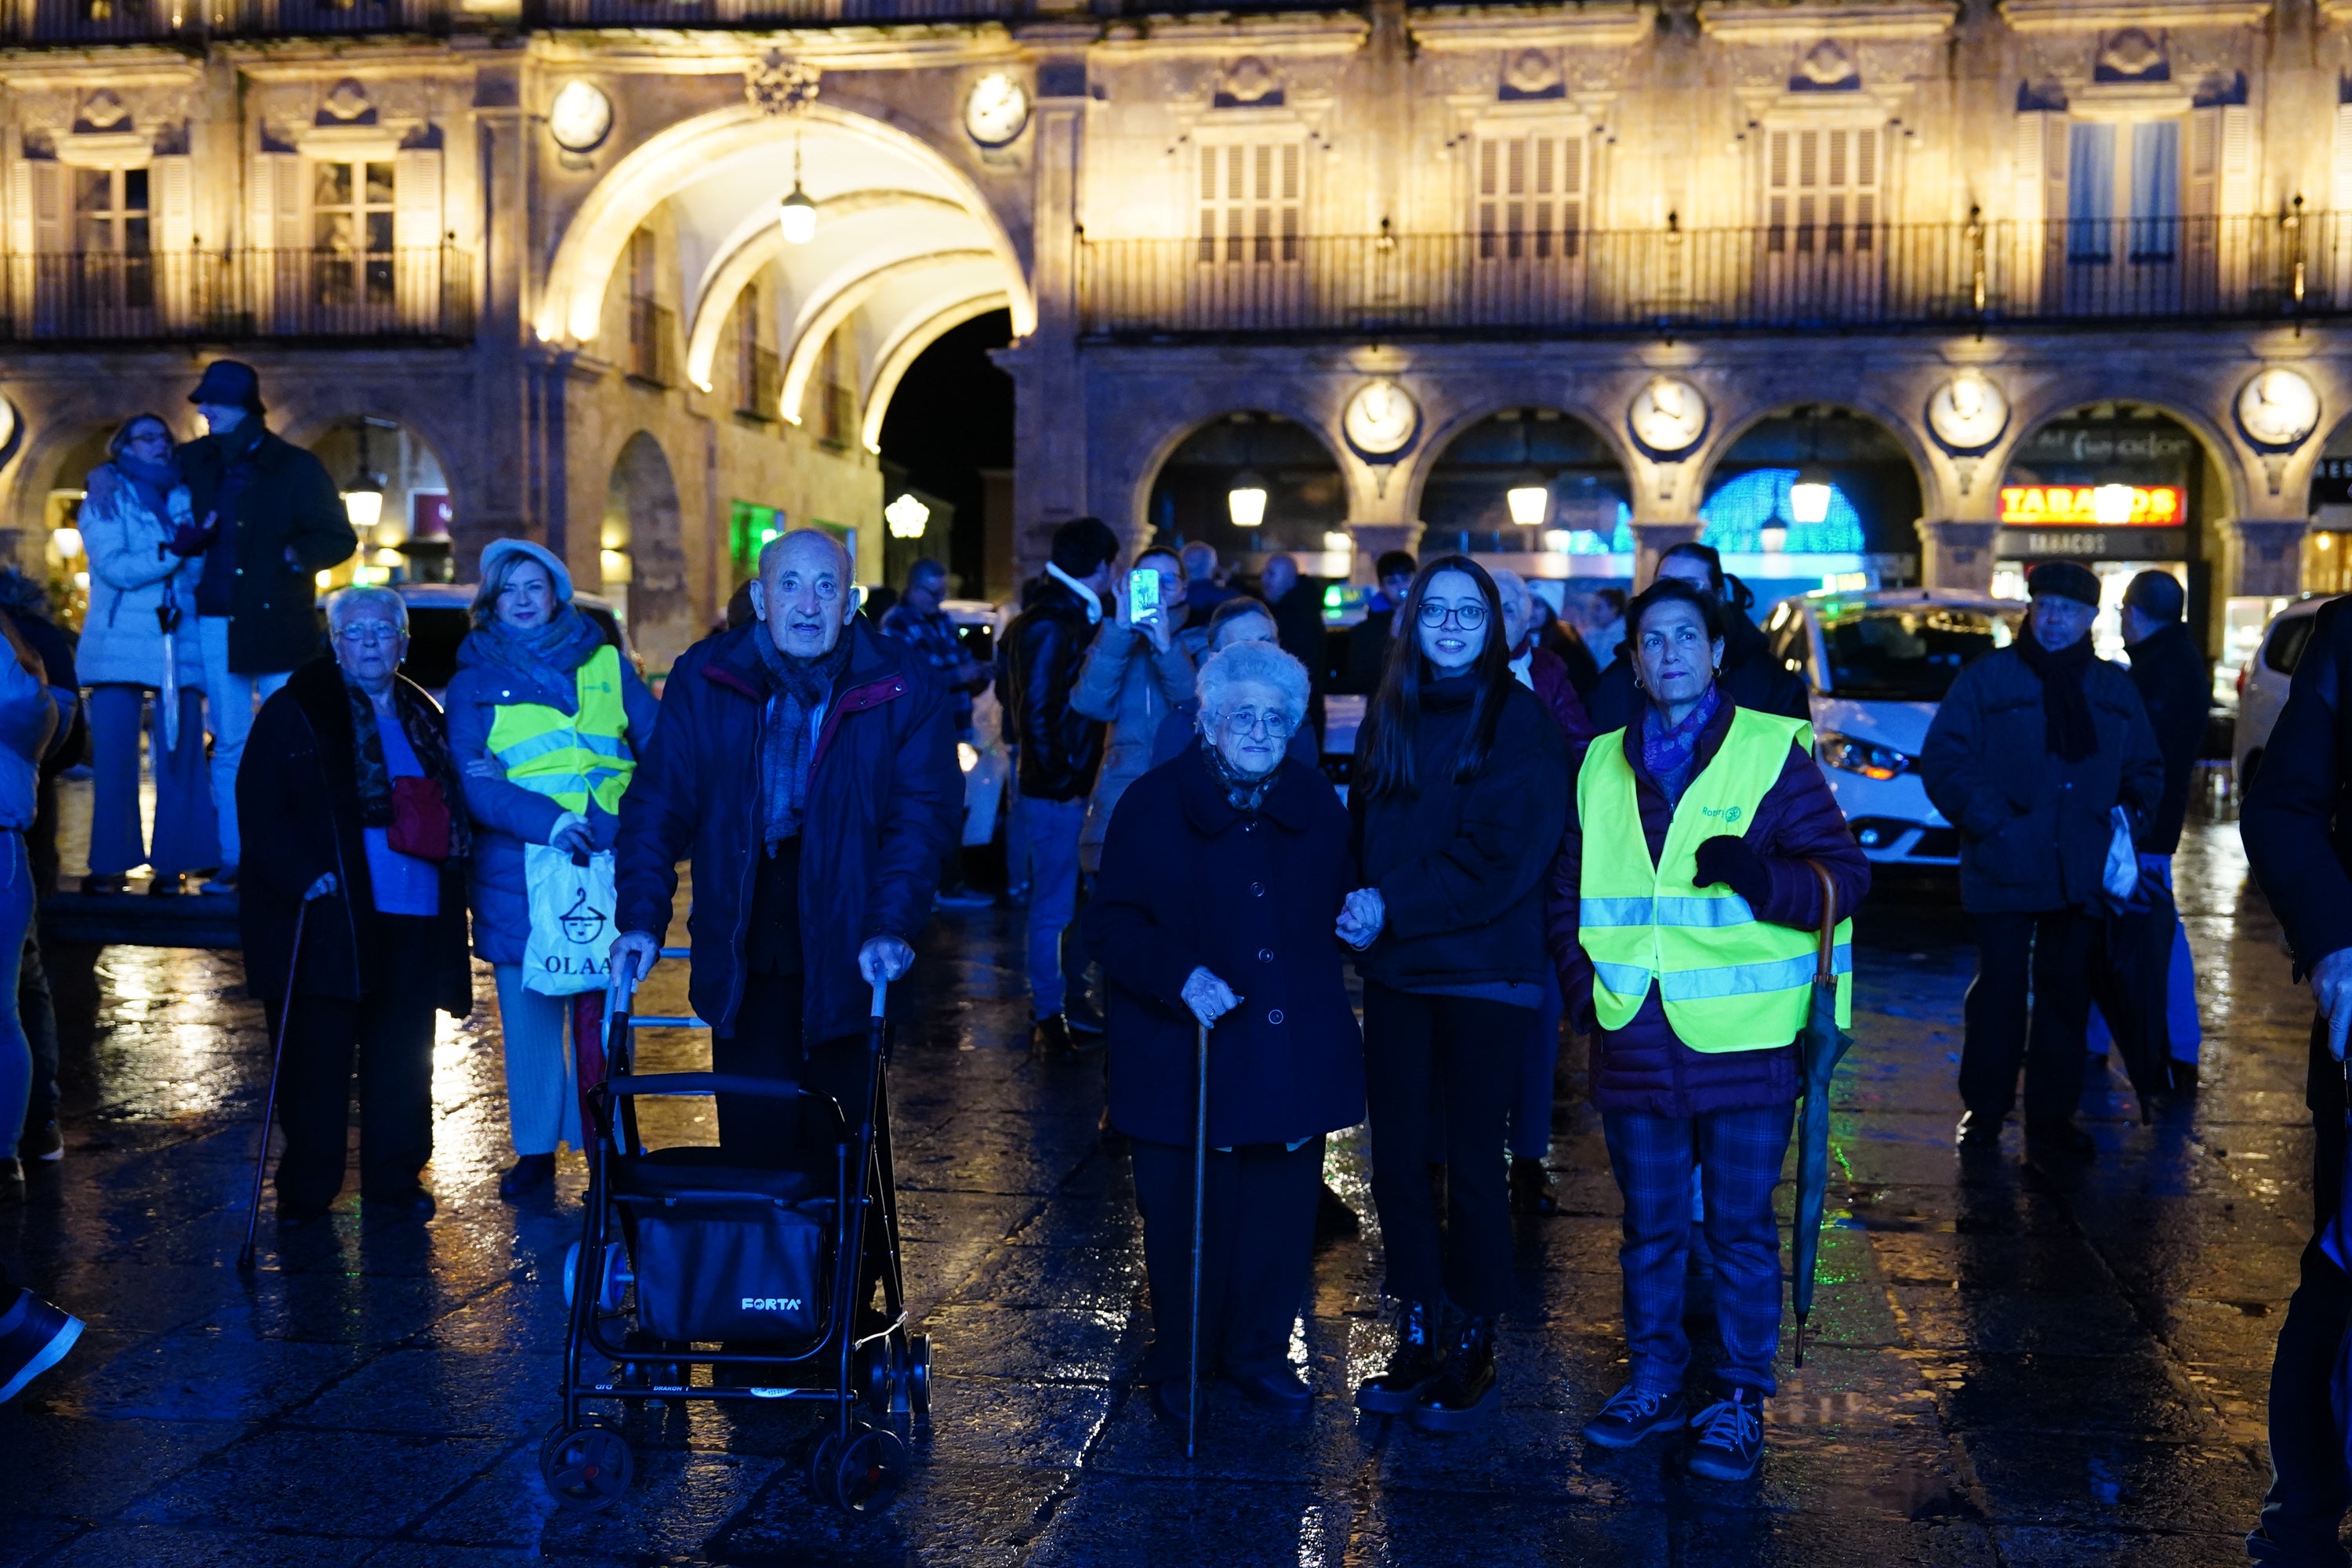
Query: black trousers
1258	1249
759	1130
39	1012
1441	1071
390	1030
2308	1495
2051	951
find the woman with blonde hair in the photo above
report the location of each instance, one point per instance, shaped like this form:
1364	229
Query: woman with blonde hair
546	721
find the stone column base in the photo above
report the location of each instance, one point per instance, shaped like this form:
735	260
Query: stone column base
1652	539
1957	556
2264	556
1372	538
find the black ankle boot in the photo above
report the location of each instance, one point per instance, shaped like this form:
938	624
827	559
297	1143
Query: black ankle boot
1413	1366
526	1174
1465	1392
1531	1187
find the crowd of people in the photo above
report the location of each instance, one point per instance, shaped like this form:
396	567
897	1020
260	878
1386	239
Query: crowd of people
1624	830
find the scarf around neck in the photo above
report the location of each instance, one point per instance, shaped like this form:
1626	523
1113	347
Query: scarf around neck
2066	728
797	688
1668	752
152	482
426	738
547	654
1243	794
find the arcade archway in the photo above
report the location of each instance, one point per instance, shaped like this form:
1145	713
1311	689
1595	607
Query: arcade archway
1252	484
1810	495
642	552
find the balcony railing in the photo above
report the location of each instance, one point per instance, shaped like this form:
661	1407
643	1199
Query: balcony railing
181	21
212	296
1786	277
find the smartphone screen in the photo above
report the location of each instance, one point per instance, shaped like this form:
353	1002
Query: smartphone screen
1142	594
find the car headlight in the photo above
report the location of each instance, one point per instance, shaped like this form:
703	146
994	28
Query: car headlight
1843	751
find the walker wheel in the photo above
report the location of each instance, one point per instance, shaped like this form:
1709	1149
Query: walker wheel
918	1376
862	1477
587	1466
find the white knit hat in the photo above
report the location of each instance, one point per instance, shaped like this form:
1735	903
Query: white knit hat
499	548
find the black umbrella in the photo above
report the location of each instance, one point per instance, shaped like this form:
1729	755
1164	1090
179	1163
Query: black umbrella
1819	1050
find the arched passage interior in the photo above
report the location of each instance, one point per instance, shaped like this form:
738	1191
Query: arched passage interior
1763	509
1202	492
948	432
1527	481
397	494
2121	488
642	551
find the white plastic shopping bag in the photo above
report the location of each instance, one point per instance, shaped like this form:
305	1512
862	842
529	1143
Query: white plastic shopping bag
2121	874
570	920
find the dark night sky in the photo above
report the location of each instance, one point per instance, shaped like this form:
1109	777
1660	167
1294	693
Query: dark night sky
952	416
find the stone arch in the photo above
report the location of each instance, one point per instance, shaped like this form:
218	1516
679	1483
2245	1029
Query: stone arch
1430	446
594	240
1192	405
644	527
899	354
1884	495
1547	449
1288	453
2055	398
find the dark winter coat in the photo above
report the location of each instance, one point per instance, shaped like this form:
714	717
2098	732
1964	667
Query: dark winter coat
507	816
289	503
2176	686
1060	749
2297	817
298	789
1646	1066
1548	673
1190	882
2034	830
1750	677
1460	867
884	797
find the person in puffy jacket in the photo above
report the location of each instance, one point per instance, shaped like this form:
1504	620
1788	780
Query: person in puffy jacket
139	636
1060	750
1682	917
547	721
1459	790
1135	675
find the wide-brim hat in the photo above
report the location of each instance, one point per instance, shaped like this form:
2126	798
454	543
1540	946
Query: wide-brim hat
230	384
2063	580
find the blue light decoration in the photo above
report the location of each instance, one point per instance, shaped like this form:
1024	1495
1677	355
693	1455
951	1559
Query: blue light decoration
1736	516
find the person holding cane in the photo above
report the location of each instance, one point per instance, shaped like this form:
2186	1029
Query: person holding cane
1222	906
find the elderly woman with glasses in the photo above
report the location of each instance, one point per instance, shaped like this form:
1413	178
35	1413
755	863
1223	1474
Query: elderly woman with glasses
1223	877
353	902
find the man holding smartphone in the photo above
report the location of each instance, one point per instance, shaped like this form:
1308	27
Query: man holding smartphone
1138	671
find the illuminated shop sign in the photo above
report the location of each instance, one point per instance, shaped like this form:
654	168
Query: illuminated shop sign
2074	506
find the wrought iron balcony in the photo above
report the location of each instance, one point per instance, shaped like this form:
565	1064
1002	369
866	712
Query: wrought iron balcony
1790	276
214	296
190	21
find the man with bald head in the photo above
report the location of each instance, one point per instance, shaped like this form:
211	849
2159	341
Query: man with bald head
807	765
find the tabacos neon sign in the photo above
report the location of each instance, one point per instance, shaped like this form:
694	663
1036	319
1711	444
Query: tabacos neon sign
2074	506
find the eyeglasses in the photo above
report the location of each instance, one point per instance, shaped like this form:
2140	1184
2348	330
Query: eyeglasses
370	632
1469	617
1244	722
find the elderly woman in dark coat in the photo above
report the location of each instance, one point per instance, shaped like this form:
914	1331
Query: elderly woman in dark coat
1223	876
1683	915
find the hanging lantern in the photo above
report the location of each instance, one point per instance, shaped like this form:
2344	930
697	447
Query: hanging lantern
1529	500
1808	497
1246	501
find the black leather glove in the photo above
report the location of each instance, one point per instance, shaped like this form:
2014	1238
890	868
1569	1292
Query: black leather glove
189	540
1726	860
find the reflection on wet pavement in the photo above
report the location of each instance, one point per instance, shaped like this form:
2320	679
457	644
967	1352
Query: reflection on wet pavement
2007	1364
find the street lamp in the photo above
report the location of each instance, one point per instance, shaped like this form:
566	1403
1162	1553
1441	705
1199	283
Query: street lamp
1808	497
1246	501
363	498
1528	498
907	517
797	216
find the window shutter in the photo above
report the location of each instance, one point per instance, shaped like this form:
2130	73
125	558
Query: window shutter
49	208
172	189
2039	168
1250	198
416	198
2202	196
2340	194
2237	194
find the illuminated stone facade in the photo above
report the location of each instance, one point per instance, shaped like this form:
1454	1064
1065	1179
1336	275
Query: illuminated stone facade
2034	207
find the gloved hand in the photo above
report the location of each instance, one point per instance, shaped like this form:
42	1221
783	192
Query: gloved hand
189	540
1727	859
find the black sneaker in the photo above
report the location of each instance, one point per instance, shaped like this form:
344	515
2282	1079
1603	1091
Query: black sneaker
1466	1392
1531	1187
34	1337
1730	1438
44	1142
1413	1366
1632	1414
1049	1036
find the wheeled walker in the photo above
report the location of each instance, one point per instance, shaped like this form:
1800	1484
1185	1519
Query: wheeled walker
682	1255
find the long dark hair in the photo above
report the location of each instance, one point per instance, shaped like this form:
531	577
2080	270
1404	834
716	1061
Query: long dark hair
1392	717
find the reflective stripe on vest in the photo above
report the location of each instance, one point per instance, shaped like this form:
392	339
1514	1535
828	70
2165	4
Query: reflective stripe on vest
1728	982
570	758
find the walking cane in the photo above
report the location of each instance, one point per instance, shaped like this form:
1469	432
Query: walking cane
1200	1205
276	1060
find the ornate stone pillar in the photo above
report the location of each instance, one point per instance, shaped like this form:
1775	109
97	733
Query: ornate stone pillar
1652	539
1049	445
2262	557
1956	556
1372	538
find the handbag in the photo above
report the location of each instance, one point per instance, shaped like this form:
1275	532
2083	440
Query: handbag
420	819
2121	878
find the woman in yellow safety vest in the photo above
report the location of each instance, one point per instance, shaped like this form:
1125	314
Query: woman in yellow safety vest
1682	917
546	723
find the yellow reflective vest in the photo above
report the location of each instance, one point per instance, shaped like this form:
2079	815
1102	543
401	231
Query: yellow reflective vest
570	758
1728	981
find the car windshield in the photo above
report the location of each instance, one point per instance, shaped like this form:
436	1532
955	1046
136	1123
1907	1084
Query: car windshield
1908	653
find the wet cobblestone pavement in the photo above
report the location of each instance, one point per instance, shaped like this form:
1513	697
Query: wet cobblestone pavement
2010	1364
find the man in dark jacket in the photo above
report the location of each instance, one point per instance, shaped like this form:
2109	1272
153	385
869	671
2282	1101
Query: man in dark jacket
2176	685
1060	751
382	931
1298	603
2030	753
1749	675
1368	643
807	764
2297	826
270	520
